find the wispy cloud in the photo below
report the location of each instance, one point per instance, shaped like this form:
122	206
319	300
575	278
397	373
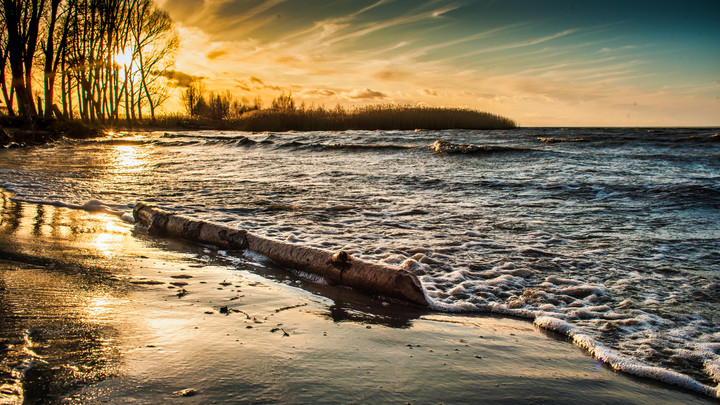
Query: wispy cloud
521	44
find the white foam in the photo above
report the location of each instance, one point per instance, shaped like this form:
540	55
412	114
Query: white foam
118	210
620	362
256	257
311	277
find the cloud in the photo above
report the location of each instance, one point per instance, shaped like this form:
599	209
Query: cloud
181	79
289	60
255	83
521	44
242	85
392	75
318	92
428	92
216	54
183	9
367	94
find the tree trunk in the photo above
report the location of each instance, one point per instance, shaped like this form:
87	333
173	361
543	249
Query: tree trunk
335	268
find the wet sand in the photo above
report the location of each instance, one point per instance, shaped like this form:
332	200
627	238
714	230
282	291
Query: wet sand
93	310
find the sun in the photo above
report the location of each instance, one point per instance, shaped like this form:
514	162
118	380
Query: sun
124	57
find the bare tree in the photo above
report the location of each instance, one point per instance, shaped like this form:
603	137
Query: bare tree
7	95
22	23
192	95
156	43
111	55
54	47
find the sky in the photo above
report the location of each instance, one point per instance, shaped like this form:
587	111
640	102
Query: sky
541	63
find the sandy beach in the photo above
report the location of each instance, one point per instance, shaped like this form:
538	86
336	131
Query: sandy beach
94	310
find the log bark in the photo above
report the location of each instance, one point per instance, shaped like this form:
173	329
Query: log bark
335	267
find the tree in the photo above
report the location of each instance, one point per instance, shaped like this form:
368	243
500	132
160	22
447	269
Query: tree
284	102
192	95
7	95
54	47
111	55
155	44
116	57
22	23
219	106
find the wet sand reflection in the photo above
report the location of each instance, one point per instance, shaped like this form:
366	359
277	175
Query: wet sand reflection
59	307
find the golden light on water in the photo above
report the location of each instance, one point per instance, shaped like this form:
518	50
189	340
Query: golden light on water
104	243
126	156
111	235
99	304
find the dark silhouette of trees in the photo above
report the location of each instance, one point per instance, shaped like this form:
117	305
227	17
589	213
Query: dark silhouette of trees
111	57
22	25
7	95
191	97
216	106
284	102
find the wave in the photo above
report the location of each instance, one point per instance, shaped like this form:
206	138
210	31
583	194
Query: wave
202	136
447	147
714	138
366	147
119	141
587	322
121	211
559	140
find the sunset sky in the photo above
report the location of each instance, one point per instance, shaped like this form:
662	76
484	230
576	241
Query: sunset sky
542	63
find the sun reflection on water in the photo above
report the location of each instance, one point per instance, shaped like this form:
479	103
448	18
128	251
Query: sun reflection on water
100	304
127	157
110	235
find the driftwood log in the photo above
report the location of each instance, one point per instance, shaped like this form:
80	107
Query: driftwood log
334	267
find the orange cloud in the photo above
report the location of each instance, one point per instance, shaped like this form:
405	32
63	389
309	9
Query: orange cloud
367	94
428	92
255	83
181	79
216	54
390	75
318	92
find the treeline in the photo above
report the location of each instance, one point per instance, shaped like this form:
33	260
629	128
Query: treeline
223	111
103	60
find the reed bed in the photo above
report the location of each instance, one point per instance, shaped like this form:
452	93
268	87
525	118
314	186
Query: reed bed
376	117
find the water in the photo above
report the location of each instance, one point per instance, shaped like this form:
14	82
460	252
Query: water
611	236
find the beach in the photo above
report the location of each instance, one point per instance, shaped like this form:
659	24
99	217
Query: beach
94	310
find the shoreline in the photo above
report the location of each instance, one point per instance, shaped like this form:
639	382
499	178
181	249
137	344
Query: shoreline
124	316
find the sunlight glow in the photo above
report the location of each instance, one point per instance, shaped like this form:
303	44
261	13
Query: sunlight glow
99	304
104	242
124	58
108	240
126	157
